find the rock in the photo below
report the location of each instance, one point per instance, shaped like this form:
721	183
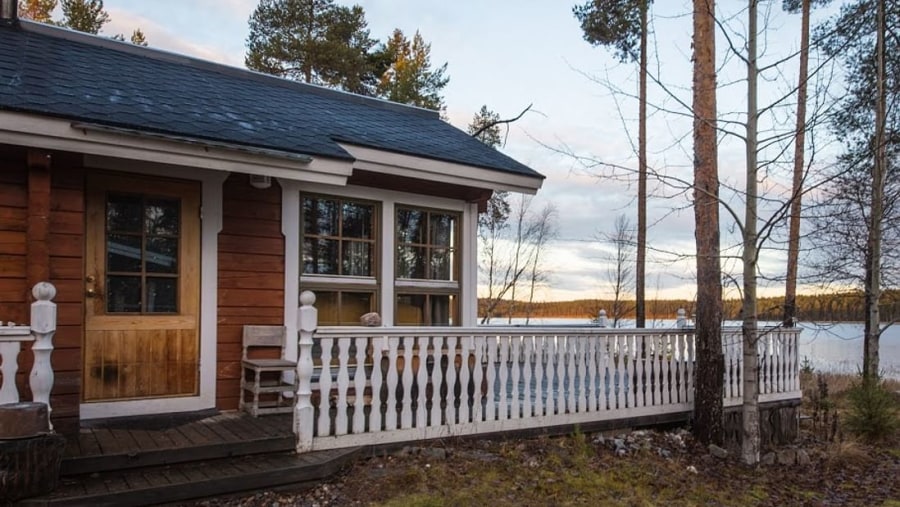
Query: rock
599	440
717	451
23	420
786	457
692	469
665	453
767	459
371	319
803	458
434	453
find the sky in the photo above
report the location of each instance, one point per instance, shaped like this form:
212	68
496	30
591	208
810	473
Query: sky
507	54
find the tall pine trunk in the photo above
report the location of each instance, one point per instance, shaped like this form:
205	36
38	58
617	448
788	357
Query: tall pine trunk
790	288
749	332
873	250
708	422
639	274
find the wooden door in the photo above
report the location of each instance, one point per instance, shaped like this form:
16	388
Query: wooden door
142	288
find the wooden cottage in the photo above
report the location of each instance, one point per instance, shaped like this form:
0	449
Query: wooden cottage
173	201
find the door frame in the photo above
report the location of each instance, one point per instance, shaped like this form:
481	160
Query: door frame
210	226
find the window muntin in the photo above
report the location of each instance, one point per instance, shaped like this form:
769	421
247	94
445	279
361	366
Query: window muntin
427	245
142	244
338	237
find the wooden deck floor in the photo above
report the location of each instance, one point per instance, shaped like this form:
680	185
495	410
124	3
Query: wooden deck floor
132	443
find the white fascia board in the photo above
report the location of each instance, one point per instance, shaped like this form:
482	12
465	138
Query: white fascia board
385	162
56	134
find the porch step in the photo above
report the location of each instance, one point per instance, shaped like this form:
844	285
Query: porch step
197	479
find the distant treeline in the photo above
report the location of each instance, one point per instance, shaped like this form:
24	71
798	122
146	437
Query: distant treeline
834	307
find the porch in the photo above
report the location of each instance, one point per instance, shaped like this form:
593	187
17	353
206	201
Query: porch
364	388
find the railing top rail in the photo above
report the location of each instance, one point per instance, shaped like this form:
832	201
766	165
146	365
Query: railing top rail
493	331
15	333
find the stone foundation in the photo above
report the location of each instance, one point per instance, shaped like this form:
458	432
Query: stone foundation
779	425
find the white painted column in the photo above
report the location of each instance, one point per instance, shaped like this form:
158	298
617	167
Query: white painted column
468	293
290	229
210	227
388	253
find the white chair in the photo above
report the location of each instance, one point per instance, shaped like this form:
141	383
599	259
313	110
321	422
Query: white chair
263	376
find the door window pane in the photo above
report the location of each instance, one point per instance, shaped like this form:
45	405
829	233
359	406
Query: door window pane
161	217
123	213
123	253
162	295
161	255
123	294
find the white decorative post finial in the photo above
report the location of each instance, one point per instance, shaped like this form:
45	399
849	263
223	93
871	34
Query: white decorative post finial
681	318
602	321
43	327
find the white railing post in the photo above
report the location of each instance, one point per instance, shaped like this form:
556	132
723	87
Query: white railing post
602	321
681	318
307	322
11	338
43	327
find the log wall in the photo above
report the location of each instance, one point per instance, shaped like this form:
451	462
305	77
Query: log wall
42	238
251	275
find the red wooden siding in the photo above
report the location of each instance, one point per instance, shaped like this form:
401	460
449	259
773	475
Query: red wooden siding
251	275
25	260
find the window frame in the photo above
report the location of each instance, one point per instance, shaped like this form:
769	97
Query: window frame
338	283
429	287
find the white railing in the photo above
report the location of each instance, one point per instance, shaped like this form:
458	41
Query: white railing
361	385
41	331
779	364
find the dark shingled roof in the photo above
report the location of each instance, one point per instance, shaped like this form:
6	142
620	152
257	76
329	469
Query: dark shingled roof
60	73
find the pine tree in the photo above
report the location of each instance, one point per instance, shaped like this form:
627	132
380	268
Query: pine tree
314	41
410	78
622	24
84	15
138	38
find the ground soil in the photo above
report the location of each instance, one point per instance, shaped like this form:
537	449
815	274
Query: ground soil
825	468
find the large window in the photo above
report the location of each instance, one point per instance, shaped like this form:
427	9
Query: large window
339	257
427	267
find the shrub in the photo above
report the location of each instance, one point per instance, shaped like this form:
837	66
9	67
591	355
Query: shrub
873	413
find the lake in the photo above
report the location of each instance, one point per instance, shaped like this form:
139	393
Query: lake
829	347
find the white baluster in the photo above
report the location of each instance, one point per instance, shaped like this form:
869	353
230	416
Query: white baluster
422	383
581	388
478	381
390	416
437	382
664	353
359	386
493	343
377	381
406	410
464	348
452	377
307	322
343	384
689	357
503	402
325	387
540	372
590	380
621	381
606	359
642	375
527	374
515	377
559	394
572	373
